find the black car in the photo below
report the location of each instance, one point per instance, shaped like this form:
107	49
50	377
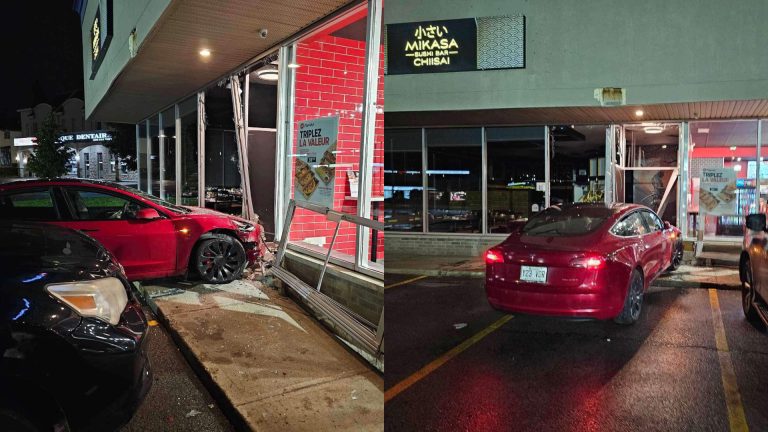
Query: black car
72	334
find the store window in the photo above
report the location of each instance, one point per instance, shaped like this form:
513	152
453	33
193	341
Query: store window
188	175
729	148
329	76
141	137
168	169
577	164
454	198
403	186
516	181
222	164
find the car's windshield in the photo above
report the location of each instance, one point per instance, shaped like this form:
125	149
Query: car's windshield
567	221
156	200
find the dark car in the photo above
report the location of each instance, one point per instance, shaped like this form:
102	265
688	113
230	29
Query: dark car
582	261
753	270
152	238
72	334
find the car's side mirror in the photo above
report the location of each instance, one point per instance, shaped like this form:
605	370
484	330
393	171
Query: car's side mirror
667	225
756	222
147	214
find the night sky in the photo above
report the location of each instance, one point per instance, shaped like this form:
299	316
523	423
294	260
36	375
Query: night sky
41	55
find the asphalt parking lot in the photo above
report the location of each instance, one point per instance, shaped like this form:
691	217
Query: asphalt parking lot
691	363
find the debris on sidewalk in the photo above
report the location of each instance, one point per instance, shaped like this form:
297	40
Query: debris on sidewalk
459	326
192	413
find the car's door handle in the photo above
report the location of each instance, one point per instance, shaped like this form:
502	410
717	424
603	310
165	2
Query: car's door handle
88	230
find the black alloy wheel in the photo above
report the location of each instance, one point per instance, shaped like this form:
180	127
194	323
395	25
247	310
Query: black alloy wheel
748	294
220	259
633	304
677	257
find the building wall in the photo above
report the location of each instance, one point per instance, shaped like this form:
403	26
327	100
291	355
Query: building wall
127	16
660	51
401	245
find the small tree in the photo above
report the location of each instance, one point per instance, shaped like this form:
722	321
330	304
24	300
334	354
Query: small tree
51	157
122	146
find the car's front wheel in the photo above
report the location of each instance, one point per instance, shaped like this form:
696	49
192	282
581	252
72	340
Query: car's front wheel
748	294
677	257
633	303
219	259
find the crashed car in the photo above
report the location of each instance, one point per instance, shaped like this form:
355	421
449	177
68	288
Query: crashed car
151	237
72	334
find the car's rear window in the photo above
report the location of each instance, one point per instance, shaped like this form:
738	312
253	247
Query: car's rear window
567	221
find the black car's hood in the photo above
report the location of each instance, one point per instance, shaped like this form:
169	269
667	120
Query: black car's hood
34	251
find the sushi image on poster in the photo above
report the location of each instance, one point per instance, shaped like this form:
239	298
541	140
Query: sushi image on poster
315	162
717	191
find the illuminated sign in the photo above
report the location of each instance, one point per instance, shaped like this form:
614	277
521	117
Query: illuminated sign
432	46
95	136
101	34
22	142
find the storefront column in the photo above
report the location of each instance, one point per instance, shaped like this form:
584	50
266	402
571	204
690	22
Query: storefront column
177	140
758	162
368	132
683	180
424	183
547	154
149	158
610	161
201	149
484	183
284	135
138	159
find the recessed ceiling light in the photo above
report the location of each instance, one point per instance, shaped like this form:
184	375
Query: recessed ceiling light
267	74
738	159
664	146
205	52
733	148
653	129
639	113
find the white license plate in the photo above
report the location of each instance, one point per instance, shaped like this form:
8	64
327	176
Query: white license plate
533	274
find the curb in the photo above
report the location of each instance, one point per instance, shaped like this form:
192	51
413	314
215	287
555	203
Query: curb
695	285
234	416
436	272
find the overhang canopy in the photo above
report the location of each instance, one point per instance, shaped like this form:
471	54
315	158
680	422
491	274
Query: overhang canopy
168	66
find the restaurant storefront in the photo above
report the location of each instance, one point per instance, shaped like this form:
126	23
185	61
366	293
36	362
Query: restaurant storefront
492	117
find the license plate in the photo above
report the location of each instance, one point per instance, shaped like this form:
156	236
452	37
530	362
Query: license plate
533	274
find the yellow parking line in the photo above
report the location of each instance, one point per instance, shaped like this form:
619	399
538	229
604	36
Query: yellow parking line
405	281
736	418
435	364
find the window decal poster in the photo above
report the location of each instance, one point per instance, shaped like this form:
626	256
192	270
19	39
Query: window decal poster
315	163
717	191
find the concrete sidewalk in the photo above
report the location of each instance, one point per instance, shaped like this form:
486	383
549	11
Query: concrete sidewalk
686	276
271	365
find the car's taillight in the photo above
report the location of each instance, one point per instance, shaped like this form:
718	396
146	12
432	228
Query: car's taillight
589	262
103	298
494	256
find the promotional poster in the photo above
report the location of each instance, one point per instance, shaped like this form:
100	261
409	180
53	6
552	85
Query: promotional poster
717	191
315	163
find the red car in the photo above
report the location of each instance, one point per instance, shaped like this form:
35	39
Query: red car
150	237
582	261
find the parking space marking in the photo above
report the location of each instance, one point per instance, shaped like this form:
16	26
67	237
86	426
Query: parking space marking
438	362
736	418
407	281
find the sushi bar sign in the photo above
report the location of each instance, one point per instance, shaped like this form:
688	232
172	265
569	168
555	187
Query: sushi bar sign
315	160
432	46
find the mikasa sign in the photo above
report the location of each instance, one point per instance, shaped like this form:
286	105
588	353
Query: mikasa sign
432	46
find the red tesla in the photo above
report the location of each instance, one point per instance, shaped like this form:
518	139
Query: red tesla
150	237
582	261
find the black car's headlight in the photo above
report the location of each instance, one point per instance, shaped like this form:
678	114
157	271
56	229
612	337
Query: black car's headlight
244	226
103	298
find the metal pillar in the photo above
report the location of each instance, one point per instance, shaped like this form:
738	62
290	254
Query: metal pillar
242	146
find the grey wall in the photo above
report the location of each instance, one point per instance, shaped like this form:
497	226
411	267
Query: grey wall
661	51
127	15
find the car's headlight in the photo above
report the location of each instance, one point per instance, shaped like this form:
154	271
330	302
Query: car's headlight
103	298
243	226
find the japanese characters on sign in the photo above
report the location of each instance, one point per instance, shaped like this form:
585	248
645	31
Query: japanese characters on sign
432	46
717	191
315	160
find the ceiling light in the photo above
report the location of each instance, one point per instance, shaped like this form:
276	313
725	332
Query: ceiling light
267	74
293	65
733	148
639	113
664	146
205	52
737	167
653	129
703	130
738	159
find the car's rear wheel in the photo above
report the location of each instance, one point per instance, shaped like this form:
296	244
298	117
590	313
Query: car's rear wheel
633	303
220	259
677	257
748	294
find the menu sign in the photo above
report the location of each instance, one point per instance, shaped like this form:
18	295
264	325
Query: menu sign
315	160
717	191
432	46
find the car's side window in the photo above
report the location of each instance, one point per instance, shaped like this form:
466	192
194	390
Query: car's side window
92	204
29	204
653	221
630	225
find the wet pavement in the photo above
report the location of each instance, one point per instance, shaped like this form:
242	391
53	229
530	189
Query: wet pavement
533	373
177	401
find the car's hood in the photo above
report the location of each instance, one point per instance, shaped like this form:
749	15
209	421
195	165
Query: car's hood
205	212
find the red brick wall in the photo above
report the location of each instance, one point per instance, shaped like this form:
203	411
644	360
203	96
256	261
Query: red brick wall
329	82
